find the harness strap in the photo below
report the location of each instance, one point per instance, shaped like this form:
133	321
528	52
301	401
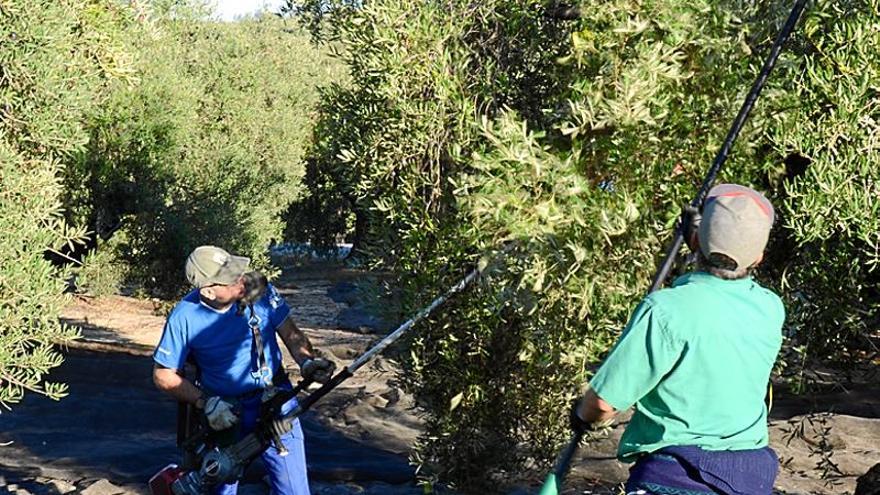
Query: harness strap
260	370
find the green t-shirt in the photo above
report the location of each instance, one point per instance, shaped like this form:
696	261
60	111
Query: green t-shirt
695	359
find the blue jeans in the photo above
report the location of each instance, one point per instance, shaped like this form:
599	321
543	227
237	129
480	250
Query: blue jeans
287	475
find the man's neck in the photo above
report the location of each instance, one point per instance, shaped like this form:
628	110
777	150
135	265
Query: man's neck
219	307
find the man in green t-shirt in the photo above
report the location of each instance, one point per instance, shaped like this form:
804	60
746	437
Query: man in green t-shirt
695	360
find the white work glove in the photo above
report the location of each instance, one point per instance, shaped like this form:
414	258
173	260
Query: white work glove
219	413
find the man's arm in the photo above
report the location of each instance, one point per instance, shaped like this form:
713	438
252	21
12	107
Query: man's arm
171	382
646	351
296	341
592	409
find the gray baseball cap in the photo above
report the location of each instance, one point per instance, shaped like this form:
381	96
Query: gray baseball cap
736	223
210	265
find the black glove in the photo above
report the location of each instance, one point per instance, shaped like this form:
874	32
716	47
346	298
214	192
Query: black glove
255	285
317	369
575	422
691	217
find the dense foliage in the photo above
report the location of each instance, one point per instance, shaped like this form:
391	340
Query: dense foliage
206	148
470	125
144	129
421	74
56	59
829	260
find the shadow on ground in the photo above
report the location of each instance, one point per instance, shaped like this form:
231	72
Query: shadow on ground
115	425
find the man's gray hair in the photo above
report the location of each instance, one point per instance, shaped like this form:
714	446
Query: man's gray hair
722	266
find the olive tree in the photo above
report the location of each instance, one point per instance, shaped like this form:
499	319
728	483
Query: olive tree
57	59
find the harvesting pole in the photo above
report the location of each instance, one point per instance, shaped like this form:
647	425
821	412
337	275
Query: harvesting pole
227	464
721	157
553	483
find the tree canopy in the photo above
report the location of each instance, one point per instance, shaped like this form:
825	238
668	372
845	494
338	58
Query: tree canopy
467	126
135	132
58	60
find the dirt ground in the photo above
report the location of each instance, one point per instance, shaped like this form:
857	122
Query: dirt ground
825	441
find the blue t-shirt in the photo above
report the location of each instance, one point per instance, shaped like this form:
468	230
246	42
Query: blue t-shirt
221	342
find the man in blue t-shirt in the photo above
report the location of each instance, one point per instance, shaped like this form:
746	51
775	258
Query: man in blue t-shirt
695	360
238	358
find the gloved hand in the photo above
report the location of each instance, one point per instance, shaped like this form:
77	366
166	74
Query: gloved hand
317	369
219	413
255	285
691	217
575	422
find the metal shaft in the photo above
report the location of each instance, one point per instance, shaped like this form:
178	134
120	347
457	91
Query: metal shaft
721	157
349	370
252	445
568	452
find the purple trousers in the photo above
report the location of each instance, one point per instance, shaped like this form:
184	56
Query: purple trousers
693	471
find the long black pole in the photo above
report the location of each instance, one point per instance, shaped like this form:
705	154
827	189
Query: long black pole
349	370
565	457
226	464
282	397
721	157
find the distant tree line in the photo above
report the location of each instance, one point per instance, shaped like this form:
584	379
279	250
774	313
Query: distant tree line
131	132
